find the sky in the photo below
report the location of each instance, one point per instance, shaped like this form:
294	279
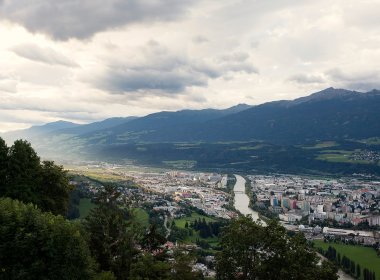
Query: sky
87	60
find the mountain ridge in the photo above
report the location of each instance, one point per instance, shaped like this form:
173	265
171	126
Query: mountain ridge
329	114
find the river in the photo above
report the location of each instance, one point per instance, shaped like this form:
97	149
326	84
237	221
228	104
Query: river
242	200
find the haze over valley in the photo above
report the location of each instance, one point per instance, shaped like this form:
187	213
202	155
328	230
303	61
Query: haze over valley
190	139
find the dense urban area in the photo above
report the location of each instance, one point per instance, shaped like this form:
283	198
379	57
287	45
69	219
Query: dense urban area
324	209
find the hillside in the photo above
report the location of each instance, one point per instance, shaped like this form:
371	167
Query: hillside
331	114
331	131
327	115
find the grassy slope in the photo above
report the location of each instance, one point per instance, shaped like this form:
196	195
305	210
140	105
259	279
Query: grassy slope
85	205
366	257
194	216
141	216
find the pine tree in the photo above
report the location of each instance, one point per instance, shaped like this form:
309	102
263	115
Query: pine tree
112	235
3	165
358	271
352	268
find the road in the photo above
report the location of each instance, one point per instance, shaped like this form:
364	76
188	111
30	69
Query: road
166	226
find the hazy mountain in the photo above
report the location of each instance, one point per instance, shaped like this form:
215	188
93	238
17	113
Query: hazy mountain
87	128
38	130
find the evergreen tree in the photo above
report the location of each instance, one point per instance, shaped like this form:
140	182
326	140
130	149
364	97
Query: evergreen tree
195	225
112	235
152	239
23	172
366	274
23	177
358	271
3	165
352	268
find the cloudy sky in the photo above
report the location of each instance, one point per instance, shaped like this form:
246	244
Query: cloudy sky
86	60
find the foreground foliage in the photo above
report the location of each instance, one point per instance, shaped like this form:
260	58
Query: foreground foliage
37	245
250	251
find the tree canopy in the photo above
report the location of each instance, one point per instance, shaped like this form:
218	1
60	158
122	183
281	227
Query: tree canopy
250	251
40	245
112	237
24	177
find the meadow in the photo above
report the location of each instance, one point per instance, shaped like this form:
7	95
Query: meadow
366	257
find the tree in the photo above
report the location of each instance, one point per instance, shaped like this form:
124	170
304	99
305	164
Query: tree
358	271
152	239
149	268
39	245
105	275
23	172
23	177
181	269
352	268
3	165
242	244
112	236
54	189
250	251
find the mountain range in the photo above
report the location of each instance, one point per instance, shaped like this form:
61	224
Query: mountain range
329	115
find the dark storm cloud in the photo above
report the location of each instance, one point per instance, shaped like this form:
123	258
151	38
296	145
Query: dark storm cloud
67	19
44	55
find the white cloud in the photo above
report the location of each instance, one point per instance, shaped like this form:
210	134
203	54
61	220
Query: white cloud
88	60
44	55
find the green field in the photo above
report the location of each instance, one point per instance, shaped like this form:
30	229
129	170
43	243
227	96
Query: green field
142	216
249	148
322	145
370	141
365	256
194	216
339	156
85	206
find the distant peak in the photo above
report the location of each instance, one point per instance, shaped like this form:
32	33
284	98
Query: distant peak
332	90
59	122
374	91
239	107
326	94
